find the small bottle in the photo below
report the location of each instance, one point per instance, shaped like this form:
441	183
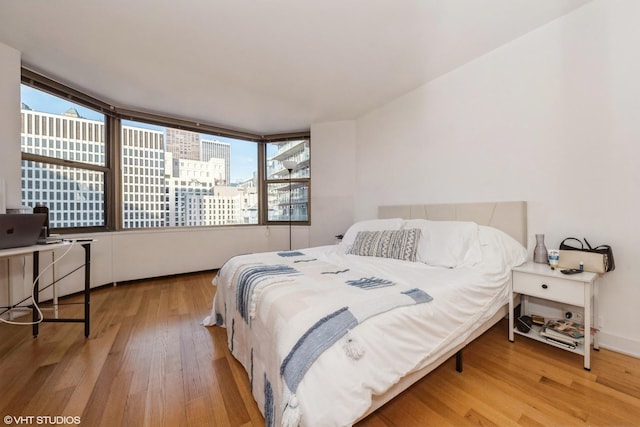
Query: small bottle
41	208
581	266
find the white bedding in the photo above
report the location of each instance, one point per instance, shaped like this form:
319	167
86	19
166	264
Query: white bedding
337	388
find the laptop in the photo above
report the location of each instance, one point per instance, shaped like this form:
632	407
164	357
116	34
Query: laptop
18	230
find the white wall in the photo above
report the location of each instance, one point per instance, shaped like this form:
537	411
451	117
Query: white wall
333	178
9	155
551	118
10	124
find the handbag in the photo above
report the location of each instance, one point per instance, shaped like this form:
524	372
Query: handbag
597	260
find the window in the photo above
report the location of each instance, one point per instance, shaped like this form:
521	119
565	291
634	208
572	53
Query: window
199	180
170	172
66	172
287	192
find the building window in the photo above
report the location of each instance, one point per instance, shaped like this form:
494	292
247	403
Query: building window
287	193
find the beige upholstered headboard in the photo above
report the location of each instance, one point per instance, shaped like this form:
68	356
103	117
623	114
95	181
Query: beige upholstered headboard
510	217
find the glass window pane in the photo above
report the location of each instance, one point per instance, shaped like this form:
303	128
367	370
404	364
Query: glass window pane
287	162
42	117
83	189
282	202
174	178
288	151
40	110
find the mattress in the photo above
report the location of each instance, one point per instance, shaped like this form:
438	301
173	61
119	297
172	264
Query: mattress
335	383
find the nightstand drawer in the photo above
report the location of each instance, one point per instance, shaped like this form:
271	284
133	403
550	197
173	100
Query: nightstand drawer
556	289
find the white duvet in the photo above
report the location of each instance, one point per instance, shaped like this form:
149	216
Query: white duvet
337	388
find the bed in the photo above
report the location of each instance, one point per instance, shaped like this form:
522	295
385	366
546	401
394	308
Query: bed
329	334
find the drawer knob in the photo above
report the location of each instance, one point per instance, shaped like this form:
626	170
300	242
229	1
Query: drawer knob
544	286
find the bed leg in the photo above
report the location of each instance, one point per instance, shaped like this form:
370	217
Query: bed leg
459	361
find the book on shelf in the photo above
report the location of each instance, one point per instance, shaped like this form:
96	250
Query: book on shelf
564	330
566	327
562	343
550	335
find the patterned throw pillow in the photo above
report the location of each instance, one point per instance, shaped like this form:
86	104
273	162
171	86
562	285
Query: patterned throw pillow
396	244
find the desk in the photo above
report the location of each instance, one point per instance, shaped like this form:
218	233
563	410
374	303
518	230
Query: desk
35	252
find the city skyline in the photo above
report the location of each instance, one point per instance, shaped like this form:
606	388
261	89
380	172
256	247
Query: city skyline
157	190
168	178
244	154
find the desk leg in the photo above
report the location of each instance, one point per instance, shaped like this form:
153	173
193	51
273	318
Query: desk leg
36	291
87	288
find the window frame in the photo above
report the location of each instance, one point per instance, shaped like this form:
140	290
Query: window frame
113	144
264	201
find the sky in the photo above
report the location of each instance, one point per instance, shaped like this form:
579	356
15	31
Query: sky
244	154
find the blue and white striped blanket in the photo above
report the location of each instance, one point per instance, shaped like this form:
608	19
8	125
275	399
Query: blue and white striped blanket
283	310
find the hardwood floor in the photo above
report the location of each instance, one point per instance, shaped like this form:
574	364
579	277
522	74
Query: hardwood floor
149	362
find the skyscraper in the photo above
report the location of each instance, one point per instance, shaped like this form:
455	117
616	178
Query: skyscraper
211	149
74	196
196	199
143	178
183	144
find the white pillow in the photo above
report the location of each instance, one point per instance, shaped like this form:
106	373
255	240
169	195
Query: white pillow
447	243
499	249
423	241
370	225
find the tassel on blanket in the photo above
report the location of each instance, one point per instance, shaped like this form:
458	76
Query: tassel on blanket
352	347
291	414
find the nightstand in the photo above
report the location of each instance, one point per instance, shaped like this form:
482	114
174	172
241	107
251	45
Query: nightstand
540	281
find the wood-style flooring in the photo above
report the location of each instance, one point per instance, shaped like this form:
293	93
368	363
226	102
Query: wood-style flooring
149	362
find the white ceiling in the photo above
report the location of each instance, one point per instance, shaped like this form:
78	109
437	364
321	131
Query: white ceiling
263	66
